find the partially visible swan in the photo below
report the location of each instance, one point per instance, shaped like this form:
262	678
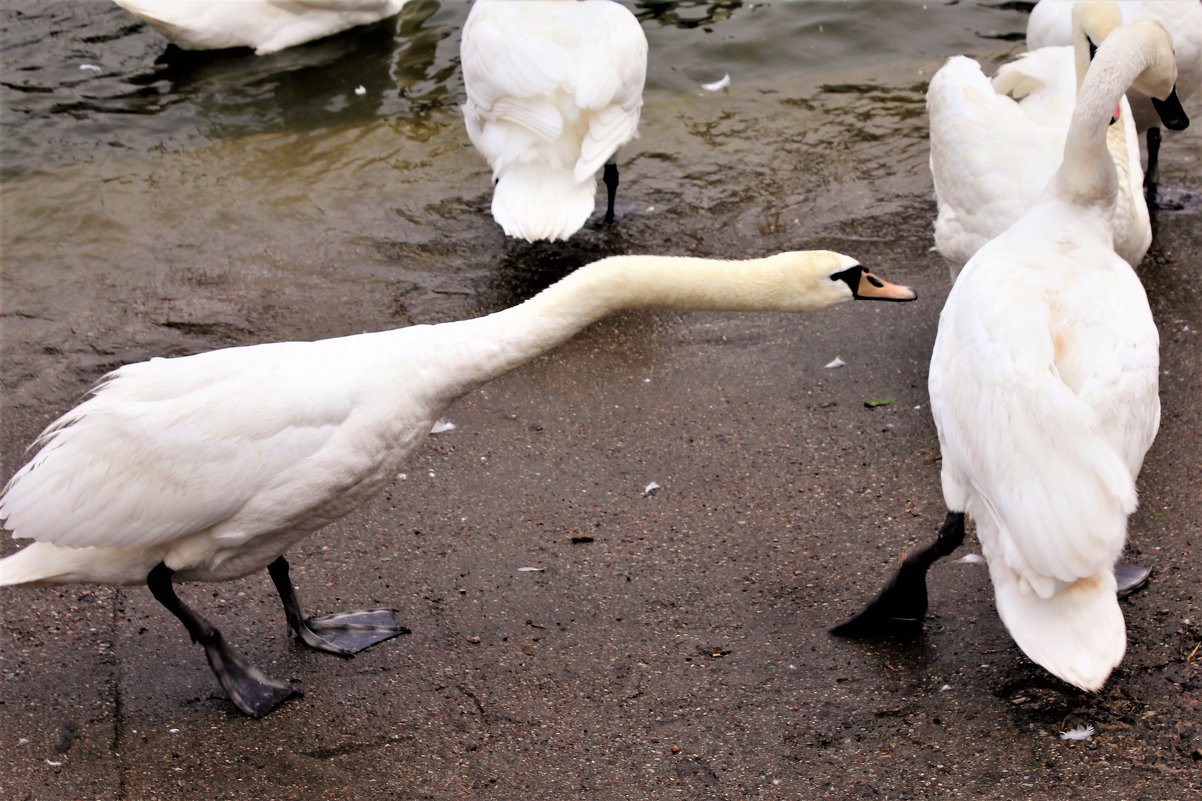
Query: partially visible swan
1043	387
554	88
1051	24
995	144
265	25
209	467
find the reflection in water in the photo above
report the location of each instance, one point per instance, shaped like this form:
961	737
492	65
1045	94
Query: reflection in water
686	13
81	80
426	81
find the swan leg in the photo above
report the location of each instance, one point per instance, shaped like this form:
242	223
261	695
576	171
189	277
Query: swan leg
344	633
610	177
250	689
902	604
1131	578
1152	174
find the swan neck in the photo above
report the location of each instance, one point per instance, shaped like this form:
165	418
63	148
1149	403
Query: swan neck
1087	175
499	342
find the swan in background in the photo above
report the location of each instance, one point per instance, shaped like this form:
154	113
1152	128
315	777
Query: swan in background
209	467
1043	387
995	144
265	25
1051	24
554	88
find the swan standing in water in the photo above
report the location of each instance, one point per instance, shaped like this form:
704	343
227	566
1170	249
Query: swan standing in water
1051	24
209	467
554	88
995	144
265	25
1043	387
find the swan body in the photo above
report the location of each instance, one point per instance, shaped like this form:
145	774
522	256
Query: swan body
996	143
1051	24
554	88
209	467
265	25
1043	387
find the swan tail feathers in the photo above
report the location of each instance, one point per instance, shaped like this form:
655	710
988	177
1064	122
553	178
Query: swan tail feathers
1076	633
535	202
42	564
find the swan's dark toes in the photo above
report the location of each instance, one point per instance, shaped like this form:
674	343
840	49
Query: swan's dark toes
348	633
899	608
1131	578
251	690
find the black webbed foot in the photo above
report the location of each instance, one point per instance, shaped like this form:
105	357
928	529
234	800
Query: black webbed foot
1131	578
902	605
348	633
344	633
252	691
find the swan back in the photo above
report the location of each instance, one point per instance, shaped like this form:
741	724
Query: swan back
553	88
265	25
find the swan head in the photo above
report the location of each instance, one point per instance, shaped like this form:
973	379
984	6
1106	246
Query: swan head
814	279
1159	80
835	278
1093	21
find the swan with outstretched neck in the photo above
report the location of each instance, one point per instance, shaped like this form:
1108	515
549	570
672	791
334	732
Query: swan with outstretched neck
1043	384
209	467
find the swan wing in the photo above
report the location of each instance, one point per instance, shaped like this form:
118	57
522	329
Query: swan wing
508	50
1043	82
171	447
1019	444
989	159
610	79
1050	24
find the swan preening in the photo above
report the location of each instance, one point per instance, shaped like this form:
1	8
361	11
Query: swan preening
1051	24
554	88
996	143
265	25
1043	386
209	467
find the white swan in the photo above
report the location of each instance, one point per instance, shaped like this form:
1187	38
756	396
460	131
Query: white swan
265	25
1050	24
209	467
995	144
1043	387
554	88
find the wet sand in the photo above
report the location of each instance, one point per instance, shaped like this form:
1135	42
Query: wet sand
682	652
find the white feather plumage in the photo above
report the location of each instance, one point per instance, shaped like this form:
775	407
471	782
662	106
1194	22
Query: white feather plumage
265	25
554	88
1043	388
996	143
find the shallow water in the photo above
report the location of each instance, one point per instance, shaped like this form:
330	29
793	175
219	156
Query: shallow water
156	201
85	79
